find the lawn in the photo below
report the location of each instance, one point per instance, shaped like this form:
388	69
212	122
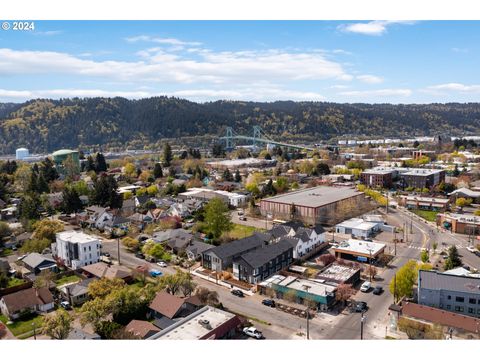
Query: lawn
241	231
67	280
24	326
13	281
6	252
428	215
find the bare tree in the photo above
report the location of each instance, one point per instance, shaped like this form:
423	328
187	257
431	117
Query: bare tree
207	296
343	293
326	259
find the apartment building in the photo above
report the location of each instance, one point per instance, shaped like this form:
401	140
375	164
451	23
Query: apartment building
77	249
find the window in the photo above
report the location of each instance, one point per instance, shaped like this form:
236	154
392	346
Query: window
471	310
459	308
459	299
89	248
472	301
449	297
448	307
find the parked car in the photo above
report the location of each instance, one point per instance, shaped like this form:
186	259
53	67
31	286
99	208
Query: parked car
366	286
106	254
14	248
162	264
21	257
242	218
240	212
237	292
361	306
471	249
477	253
252	332
139	255
268	302
65	305
378	290
155	273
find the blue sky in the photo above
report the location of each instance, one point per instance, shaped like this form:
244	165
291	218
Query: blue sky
340	61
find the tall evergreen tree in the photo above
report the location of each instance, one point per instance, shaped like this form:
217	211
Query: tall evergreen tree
100	163
48	170
167	155
227	175
42	185
157	171
105	193
238	177
71	201
90	164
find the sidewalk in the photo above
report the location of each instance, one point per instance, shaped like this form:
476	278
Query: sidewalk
219	282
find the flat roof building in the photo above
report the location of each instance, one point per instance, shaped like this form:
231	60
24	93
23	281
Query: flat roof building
321	204
359	250
459	223
207	323
358	228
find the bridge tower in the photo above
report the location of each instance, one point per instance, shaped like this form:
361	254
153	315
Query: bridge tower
229	139
257	134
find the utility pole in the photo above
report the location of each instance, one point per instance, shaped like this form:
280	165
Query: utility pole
395	242
34	331
118	249
361	324
395	288
306	288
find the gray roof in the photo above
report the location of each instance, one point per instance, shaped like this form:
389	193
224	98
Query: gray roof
299	226
435	280
198	247
259	257
117	220
239	246
161	236
80	288
35	259
291	239
279	231
314	197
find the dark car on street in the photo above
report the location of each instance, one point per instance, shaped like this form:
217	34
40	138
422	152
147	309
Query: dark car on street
361	306
268	302
106	254
378	290
237	292
140	255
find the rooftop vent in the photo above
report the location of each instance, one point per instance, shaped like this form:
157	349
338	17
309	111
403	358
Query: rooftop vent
205	324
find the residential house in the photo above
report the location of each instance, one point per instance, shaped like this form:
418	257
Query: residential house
195	249
142	329
128	207
259	264
221	257
165	308
76	294
117	222
101	270
175	239
26	301
37	263
76	248
141	200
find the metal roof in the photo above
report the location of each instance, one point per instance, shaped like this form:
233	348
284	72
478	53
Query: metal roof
442	281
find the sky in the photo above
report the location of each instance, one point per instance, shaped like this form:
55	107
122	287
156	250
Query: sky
337	61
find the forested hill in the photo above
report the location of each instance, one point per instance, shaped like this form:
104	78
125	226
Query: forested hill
46	125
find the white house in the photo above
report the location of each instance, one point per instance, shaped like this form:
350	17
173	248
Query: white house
305	240
358	228
77	249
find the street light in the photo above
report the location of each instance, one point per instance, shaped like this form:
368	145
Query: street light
306	288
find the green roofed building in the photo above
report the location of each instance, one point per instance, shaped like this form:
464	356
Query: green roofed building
60	156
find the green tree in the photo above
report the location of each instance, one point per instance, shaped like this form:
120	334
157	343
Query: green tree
4	230
47	229
48	170
100	163
71	202
167	155
217	217
462	202
130	243
154	250
37	246
323	168
28	208
404	280
71	167
105	193
157	171
424	256
453	260
103	287
227	175
57	325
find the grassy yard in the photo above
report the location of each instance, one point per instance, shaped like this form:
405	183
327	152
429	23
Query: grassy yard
428	215
68	279
24	326
5	252
241	231
13	281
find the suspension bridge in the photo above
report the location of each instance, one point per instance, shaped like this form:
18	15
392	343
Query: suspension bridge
259	136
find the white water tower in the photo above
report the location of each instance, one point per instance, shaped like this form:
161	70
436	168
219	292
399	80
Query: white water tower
21	153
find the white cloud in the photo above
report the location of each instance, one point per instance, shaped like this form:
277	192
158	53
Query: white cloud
372	28
157	65
159	40
370	79
452	87
255	93
339	87
377	93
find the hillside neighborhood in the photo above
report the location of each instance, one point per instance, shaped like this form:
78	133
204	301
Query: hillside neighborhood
352	241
